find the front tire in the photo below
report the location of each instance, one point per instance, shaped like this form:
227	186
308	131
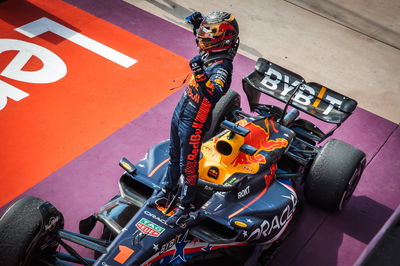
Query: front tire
334	175
25	232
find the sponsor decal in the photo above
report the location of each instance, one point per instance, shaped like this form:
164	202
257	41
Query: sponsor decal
194	97
52	223
244	192
248	168
276	225
149	228
213	172
208	188
259	138
305	96
191	169
183	249
231	180
170	243
268	177
123	254
152	215
272	173
195	140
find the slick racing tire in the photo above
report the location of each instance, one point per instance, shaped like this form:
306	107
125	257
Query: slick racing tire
334	175
27	225
223	111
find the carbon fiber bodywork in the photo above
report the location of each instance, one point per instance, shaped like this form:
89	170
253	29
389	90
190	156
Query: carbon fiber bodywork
289	87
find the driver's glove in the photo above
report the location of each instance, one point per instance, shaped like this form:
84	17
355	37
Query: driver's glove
196	64
195	19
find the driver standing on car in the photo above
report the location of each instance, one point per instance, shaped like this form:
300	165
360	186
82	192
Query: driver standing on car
217	39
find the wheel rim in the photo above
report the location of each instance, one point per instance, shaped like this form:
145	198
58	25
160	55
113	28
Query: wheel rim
351	185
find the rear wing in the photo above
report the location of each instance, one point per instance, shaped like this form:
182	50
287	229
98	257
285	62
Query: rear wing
290	88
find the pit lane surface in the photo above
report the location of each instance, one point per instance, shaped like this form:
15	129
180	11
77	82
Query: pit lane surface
79	182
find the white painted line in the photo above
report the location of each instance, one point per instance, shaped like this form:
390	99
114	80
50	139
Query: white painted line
44	24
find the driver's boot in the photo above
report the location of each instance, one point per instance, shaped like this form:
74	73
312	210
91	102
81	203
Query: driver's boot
169	182
181	215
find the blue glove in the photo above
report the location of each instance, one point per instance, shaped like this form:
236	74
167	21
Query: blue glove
196	64
195	19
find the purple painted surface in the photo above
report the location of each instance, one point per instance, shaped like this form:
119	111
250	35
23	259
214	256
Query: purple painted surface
379	237
82	186
381	181
342	237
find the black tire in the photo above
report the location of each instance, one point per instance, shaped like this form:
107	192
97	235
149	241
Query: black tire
223	110
334	175
26	226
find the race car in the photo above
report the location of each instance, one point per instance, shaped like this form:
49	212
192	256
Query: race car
250	170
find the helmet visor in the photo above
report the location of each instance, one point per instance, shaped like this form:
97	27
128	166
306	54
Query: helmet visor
206	32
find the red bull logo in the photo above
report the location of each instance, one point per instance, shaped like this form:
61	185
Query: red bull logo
213	172
268	177
193	96
228	29
247	159
259	138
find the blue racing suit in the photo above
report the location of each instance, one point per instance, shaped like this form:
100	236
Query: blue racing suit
191	119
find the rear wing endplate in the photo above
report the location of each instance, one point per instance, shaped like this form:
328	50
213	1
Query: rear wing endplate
288	87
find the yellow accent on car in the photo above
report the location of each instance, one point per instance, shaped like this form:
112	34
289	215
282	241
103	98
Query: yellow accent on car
214	159
126	166
319	97
240	224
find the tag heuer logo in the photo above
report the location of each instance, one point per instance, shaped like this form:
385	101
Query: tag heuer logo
149	228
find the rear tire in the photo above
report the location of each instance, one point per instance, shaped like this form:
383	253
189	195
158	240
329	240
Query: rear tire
334	175
25	230
223	110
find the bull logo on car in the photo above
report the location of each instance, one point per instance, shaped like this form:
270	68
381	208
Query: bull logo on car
259	137
213	172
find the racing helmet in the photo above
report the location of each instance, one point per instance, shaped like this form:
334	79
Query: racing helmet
217	32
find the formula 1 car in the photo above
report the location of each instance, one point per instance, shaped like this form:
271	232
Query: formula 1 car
249	170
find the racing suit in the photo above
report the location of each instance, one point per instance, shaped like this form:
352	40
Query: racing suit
191	119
